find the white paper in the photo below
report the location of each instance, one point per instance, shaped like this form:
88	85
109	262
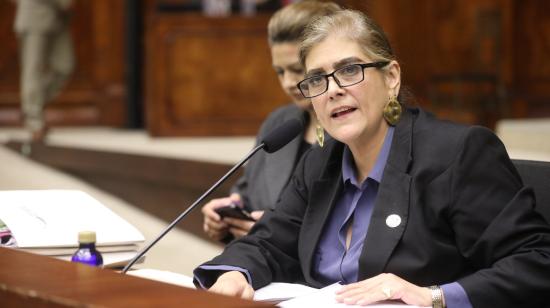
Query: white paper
164	276
274	292
53	218
279	291
326	297
301	295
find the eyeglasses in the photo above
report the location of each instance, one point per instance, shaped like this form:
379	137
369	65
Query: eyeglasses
345	76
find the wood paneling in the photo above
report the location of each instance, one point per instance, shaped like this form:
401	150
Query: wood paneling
470	61
455	55
9	68
531	35
468	64
208	76
95	93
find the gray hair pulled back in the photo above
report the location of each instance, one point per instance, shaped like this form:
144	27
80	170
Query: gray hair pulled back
353	25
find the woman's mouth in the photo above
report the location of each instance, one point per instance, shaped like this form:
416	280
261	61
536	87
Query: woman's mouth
342	111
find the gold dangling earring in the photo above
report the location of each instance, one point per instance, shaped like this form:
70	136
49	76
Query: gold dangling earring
392	111
320	132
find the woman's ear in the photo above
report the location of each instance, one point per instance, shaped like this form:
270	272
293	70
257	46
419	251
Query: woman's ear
393	78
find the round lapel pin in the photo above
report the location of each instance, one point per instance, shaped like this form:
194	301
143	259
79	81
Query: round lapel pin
393	220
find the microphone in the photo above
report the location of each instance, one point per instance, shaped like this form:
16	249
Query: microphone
272	142
282	135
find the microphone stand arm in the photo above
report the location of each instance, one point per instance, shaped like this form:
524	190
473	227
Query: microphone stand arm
190	208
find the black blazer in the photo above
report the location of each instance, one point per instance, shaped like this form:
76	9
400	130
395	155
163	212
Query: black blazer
465	216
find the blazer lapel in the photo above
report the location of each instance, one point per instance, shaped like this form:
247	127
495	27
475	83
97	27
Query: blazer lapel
322	199
391	209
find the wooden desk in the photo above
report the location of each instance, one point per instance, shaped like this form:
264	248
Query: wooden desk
28	280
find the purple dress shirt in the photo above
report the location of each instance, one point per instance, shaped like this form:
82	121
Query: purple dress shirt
332	262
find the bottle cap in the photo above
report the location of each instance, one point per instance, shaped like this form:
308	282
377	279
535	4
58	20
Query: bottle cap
86	237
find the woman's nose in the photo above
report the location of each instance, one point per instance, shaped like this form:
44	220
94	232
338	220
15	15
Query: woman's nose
333	88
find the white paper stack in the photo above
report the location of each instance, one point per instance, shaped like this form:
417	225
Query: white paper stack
286	295
48	221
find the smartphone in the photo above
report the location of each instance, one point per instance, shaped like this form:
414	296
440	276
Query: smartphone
234	211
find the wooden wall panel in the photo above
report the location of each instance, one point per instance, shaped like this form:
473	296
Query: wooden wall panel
467	59
532	51
95	93
457	57
208	76
470	61
9	68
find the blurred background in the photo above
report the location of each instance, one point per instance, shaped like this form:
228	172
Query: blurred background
175	69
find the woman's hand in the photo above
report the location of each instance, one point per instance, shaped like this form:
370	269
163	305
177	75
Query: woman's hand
241	227
384	287
213	225
233	284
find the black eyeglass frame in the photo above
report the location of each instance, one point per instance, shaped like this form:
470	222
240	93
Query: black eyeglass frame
363	66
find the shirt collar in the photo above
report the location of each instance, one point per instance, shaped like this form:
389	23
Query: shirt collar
348	165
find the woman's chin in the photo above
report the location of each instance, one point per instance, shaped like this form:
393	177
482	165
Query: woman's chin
346	136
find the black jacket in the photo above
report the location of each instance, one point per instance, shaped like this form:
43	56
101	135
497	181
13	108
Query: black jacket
465	216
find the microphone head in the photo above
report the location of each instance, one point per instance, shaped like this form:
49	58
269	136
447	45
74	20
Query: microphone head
282	135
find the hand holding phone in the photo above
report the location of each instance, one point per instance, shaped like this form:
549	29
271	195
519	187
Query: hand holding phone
234	211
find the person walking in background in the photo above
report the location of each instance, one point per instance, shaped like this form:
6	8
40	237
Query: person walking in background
46	56
266	175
